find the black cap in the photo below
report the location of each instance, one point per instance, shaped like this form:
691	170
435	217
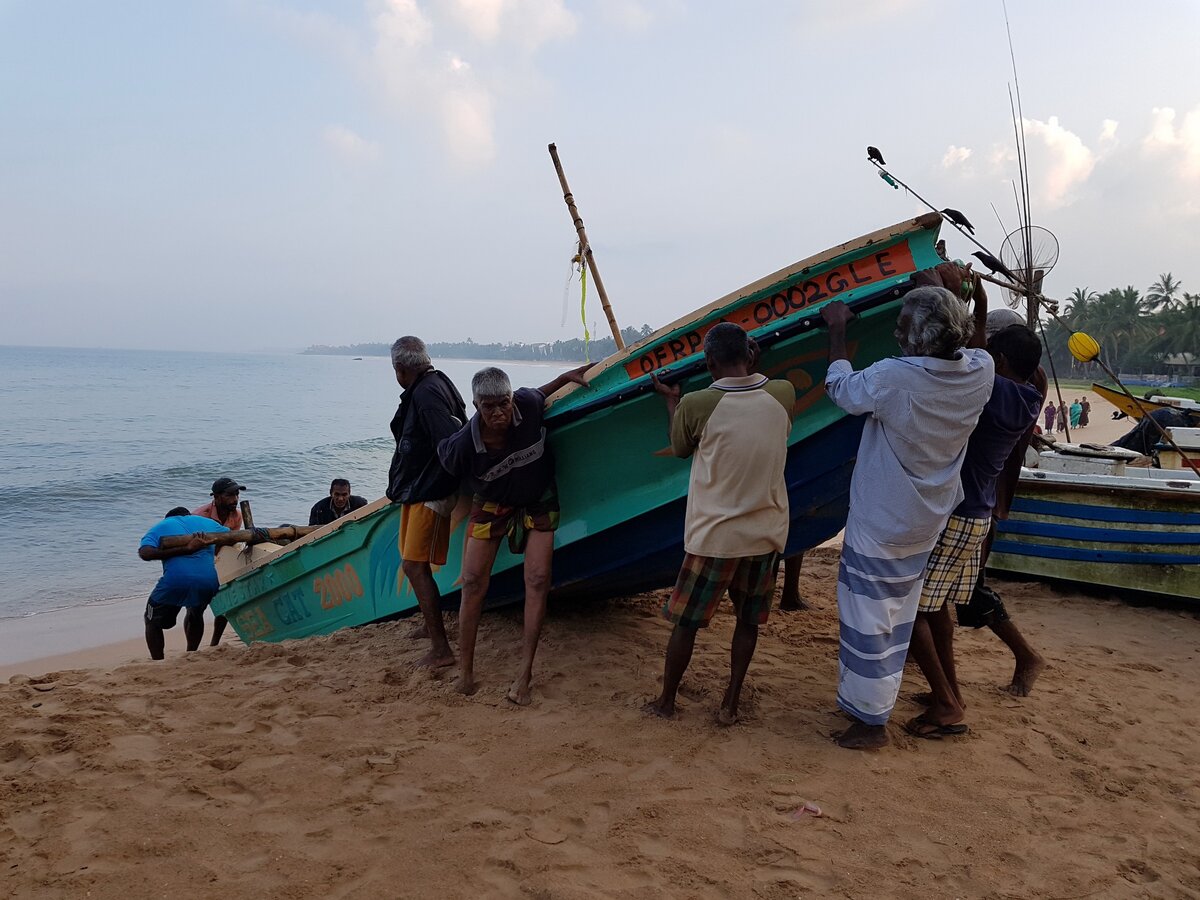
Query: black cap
222	485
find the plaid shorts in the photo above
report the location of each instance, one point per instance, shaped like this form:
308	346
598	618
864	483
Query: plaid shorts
490	521
703	581
953	566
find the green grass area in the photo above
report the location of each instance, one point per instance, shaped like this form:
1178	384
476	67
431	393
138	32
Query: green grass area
1138	391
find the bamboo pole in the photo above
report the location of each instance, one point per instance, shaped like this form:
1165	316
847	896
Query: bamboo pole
586	249
245	536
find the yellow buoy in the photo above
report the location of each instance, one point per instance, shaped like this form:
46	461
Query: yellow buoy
1083	347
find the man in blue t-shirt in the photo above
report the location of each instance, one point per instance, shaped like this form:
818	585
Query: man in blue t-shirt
503	455
189	578
955	563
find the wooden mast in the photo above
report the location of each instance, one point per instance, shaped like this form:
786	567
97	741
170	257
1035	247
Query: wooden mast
585	249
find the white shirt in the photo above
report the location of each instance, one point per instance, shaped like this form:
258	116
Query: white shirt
921	411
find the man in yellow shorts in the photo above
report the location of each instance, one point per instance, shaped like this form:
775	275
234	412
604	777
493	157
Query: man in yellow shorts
503	455
431	409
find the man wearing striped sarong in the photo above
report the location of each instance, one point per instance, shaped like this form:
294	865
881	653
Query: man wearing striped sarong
920	410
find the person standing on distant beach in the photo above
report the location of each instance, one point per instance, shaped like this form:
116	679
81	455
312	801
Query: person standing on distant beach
736	522
1064	414
430	410
502	453
189	578
920	410
956	562
223	507
1085	410
1050	412
1076	410
339	502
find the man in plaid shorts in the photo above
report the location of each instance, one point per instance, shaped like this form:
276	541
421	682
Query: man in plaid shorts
503	455
954	564
736	431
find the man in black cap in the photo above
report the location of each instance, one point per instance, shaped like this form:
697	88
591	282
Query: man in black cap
339	502
223	508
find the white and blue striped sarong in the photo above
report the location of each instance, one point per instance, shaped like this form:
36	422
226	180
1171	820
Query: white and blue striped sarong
878	590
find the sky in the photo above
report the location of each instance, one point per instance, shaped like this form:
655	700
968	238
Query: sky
268	174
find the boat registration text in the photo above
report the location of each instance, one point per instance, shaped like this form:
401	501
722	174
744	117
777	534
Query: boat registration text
883	264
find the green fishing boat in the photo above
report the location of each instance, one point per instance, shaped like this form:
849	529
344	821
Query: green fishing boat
622	493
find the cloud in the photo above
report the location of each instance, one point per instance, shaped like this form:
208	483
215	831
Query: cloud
638	16
466	116
955	156
402	24
1060	165
527	23
820	15
350	146
1181	142
1108	131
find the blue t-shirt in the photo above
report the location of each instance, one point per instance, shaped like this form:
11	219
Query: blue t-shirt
1009	412
194	570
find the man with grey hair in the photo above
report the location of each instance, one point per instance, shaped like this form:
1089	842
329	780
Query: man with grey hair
430	410
920	410
502	453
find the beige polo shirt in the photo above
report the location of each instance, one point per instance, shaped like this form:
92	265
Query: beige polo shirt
736	432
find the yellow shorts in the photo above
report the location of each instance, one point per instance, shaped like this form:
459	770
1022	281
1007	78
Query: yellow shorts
424	535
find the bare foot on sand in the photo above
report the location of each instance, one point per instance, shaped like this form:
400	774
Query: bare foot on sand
419	632
466	685
1026	674
790	603
925	698
861	736
520	693
726	718
433	660
658	708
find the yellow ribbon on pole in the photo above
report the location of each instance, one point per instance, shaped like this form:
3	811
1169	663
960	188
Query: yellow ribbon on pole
583	308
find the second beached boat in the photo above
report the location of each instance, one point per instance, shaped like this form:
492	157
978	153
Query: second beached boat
622	493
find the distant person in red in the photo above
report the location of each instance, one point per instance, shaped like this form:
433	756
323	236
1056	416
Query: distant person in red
223	507
1085	410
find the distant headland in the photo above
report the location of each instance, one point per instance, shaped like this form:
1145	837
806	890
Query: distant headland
551	351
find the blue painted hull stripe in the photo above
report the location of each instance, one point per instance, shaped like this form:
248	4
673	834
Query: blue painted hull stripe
1117	557
1101	535
1104	513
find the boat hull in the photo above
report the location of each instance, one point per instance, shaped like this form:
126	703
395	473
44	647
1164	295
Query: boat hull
623	494
1117	532
1135	409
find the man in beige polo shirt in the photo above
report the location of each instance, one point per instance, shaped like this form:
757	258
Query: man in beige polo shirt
736	431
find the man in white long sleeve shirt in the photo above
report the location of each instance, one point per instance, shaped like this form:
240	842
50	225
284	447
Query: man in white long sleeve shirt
921	408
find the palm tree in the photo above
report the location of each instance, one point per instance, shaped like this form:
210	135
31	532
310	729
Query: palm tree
1121	323
1080	300
1162	294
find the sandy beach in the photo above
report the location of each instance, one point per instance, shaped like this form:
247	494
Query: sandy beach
331	768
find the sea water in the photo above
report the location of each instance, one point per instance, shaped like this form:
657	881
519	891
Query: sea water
96	446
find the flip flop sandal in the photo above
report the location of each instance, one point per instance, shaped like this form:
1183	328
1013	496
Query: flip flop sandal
921	727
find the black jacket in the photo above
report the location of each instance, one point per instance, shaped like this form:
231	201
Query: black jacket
430	410
323	512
